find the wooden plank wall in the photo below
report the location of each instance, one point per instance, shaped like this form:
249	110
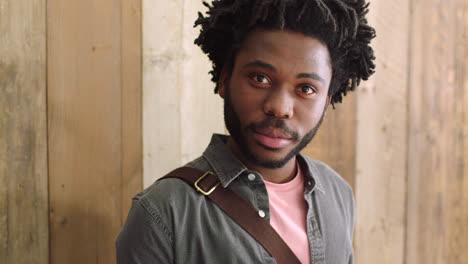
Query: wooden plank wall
437	230
71	125
94	124
23	133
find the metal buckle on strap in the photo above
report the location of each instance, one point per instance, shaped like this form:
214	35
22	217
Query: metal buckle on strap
200	179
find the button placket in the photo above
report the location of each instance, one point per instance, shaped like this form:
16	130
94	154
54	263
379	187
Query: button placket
258	189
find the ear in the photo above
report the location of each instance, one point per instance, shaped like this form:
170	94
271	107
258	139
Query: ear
223	82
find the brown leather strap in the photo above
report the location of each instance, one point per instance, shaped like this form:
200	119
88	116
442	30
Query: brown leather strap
239	210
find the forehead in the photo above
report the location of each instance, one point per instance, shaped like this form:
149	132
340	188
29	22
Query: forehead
287	48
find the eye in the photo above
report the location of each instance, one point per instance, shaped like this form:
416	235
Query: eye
307	89
259	78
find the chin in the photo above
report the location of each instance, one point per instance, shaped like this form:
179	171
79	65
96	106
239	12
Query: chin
272	159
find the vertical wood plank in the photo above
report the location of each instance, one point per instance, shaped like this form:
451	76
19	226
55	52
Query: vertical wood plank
382	140
335	142
456	240
437	179
23	133
180	110
463	48
464	77
162	36
93	56
132	149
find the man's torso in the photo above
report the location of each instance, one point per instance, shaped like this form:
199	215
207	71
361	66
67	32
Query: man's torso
183	226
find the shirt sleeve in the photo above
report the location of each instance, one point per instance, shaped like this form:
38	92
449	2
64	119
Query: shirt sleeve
143	239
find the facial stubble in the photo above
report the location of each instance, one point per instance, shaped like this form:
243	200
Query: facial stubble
234	127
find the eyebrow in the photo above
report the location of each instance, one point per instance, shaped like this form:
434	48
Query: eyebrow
310	75
262	64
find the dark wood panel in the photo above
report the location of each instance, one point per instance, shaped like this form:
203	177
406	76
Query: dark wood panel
23	133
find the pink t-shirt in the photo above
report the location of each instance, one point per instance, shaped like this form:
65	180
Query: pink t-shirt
288	212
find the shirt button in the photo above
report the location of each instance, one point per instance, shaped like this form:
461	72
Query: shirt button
261	213
251	177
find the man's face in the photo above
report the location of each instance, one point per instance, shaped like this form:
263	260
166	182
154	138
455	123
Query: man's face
276	95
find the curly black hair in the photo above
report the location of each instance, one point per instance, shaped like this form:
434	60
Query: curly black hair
340	24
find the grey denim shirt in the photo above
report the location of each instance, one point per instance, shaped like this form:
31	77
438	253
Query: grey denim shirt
169	222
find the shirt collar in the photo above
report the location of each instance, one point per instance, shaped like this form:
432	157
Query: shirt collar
221	159
228	167
310	173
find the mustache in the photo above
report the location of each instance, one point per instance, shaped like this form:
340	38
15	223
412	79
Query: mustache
276	123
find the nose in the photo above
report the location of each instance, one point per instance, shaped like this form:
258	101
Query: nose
279	103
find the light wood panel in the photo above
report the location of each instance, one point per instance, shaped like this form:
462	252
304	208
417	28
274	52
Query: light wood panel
161	87
381	155
23	133
180	110
437	179
94	139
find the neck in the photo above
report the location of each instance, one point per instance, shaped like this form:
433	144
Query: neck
277	175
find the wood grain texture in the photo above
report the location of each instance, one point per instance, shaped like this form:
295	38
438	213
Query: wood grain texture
437	176
23	133
463	70
463	47
94	141
382	140
132	149
335	142
162	37
180	110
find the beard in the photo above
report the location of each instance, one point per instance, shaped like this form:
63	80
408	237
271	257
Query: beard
234	127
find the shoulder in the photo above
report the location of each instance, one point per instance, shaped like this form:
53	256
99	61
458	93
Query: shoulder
163	193
165	196
150	231
162	188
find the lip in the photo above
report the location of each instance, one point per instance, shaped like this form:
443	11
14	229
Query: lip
272	133
271	138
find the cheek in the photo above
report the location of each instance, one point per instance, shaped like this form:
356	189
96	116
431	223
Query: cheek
309	116
246	102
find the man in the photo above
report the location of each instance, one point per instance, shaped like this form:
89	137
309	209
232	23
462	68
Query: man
277	64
